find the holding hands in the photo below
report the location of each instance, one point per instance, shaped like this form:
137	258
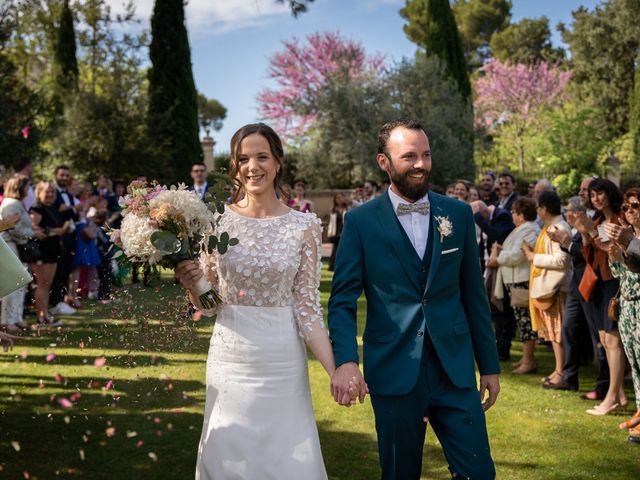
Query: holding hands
347	384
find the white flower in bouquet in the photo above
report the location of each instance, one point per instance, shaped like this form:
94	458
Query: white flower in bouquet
135	239
198	218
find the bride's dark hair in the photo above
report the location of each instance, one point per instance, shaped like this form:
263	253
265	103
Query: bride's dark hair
275	145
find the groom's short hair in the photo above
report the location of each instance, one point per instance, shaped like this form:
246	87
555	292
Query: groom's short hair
387	128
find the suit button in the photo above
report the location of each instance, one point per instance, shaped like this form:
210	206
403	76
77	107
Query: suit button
420	333
424	301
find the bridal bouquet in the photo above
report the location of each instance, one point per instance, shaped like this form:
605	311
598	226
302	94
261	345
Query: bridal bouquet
165	226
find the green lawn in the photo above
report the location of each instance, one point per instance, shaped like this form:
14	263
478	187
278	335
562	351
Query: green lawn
148	424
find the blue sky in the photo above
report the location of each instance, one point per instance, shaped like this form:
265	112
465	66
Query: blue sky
232	40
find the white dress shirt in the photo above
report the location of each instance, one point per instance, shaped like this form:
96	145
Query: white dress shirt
415	225
201	189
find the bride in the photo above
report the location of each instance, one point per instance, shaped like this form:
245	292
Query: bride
258	420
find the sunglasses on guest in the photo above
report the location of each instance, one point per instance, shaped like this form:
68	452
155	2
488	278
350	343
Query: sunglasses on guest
630	206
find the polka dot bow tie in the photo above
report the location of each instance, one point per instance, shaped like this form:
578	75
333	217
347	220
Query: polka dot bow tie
421	208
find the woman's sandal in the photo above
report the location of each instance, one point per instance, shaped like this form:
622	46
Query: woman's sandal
548	378
631	423
525	368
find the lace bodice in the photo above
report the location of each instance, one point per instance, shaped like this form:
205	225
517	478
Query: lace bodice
276	264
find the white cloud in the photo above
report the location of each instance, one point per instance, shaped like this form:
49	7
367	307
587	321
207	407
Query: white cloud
215	16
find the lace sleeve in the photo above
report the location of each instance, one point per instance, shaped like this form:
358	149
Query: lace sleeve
307	310
209	265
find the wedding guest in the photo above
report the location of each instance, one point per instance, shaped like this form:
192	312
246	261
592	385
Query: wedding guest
370	190
105	270
22	166
15	191
578	323
549	280
48	228
86	257
495	224
461	191
300	203
199	176
336	220
474	194
629	303
629	244
506	190
487	190
384	186
531	189
606	198
513	277
115	217
104	191
64	203
451	191
542	185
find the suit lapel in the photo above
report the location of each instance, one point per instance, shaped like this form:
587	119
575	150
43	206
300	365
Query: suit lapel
398	238
436	211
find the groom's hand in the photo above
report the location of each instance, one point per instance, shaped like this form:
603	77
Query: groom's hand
490	383
347	381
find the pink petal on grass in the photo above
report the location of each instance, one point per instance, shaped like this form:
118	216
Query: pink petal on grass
111	431
51	357
65	403
75	397
99	362
58	378
81	344
109	385
139	443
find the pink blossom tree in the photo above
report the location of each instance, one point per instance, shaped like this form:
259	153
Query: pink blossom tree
510	97
301	72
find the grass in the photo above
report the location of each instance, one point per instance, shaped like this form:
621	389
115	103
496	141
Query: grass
148	424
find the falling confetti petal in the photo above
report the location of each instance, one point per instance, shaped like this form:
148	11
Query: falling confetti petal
16	446
81	452
51	357
41	384
99	362
131	434
139	443
59	378
23	354
75	397
109	385
111	431
81	345
153	456
65	403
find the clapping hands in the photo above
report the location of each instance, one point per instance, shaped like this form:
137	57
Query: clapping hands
347	384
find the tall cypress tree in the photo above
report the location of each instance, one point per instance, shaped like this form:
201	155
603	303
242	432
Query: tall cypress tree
173	103
634	114
431	25
66	64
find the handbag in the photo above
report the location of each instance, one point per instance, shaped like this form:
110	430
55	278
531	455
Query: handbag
30	252
613	308
14	275
519	297
588	282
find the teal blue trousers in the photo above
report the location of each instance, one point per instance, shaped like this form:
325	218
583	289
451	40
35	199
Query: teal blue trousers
455	414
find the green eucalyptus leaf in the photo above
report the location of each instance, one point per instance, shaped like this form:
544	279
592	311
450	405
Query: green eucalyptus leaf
224	237
233	242
166	242
213	242
220	207
222	248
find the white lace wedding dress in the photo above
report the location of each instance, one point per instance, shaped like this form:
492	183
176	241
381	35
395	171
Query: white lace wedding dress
258	420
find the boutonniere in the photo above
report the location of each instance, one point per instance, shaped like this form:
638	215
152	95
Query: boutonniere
444	227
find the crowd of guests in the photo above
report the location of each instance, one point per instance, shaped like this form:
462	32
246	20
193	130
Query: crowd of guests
57	229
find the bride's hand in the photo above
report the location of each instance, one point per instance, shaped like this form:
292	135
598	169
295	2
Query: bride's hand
188	272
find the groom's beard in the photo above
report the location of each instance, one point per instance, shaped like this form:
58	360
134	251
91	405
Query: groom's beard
408	188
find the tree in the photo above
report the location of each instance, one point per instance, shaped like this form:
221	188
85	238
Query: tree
634	116
431	25
528	41
477	21
604	44
510	97
340	147
211	113
303	70
66	64
173	108
422	89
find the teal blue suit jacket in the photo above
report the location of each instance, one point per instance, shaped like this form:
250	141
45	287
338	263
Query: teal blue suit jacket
375	255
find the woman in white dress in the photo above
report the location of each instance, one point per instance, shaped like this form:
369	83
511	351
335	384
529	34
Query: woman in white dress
258	420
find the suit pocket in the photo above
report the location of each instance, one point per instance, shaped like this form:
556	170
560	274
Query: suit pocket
461	328
373	336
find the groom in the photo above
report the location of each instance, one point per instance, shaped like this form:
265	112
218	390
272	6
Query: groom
414	254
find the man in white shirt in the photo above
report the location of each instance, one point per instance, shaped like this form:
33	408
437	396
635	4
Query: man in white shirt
199	176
